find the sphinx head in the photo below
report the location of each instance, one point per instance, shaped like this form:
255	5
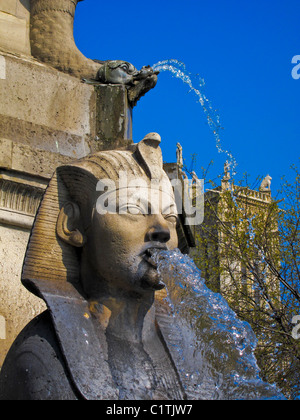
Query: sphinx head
99	230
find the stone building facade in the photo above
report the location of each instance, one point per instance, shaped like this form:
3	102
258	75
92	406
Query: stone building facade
226	249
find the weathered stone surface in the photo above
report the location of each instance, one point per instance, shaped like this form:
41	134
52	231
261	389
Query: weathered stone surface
114	116
18	34
20	9
14	26
17	306
45	108
5	153
26	159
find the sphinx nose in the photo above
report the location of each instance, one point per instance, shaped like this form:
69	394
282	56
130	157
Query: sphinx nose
159	232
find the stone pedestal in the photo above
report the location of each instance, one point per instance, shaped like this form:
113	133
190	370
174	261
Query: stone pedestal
114	116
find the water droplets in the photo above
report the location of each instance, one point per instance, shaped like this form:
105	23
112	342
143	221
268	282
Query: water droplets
196	86
217	348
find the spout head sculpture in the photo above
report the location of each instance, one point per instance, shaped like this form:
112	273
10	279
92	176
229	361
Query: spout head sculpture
117	72
90	258
124	73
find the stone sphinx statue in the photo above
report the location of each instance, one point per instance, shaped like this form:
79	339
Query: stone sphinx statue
100	337
52	42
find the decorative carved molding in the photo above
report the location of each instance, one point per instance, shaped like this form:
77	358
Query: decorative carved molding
19	203
20	197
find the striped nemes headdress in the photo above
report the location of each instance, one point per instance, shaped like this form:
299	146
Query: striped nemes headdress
50	264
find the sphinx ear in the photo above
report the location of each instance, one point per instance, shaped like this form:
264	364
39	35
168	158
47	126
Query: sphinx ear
68	226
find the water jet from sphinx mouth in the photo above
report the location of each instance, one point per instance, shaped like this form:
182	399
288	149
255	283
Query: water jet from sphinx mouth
196	85
151	257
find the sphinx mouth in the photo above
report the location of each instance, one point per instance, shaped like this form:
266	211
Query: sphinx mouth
150	255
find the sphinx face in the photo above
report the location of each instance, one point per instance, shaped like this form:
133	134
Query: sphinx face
119	245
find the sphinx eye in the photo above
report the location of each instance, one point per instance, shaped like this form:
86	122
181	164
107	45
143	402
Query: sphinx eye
172	218
134	209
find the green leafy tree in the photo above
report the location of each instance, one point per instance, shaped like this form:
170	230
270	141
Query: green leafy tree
248	249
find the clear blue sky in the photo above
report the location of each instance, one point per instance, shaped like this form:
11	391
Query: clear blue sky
243	50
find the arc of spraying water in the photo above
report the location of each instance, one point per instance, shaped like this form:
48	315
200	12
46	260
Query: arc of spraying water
196	85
